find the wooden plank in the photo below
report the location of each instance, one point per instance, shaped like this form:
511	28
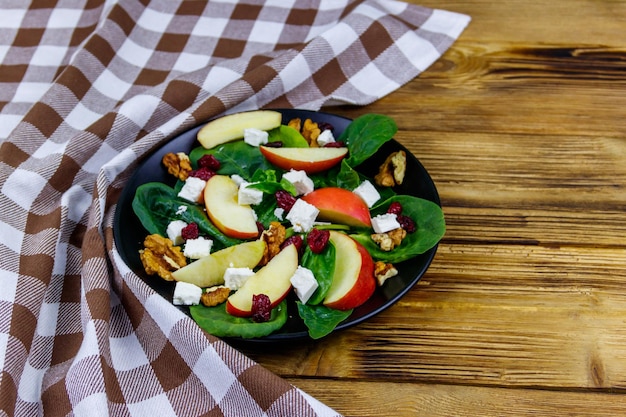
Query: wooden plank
383	399
515	315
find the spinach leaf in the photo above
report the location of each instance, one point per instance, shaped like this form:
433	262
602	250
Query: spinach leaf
321	320
365	135
156	205
322	265
216	321
429	221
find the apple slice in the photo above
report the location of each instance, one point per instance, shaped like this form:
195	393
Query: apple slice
353	279
209	270
339	205
273	280
310	160
231	218
230	127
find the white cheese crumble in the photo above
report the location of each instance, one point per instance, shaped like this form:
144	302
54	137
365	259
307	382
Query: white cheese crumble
304	283
247	195
302	216
186	294
279	213
234	278
197	248
367	192
193	189
181	210
300	180
238	179
175	231
385	222
255	137
325	138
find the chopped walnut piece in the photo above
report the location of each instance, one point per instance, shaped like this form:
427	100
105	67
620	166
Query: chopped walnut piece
161	257
311	131
383	271
273	237
388	241
215	296
295	123
392	171
177	164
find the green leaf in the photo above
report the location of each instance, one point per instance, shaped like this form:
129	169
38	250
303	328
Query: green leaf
429	221
321	320
323	266
235	158
289	136
365	135
216	321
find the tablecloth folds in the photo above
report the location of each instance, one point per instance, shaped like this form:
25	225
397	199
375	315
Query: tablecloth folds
87	88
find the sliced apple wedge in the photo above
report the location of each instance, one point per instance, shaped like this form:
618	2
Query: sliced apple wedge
231	218
353	279
310	160
209	270
339	205
273	280
231	127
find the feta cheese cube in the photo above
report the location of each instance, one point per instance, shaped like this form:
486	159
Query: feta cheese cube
175	230
255	137
193	189
385	222
197	248
302	216
325	138
234	278
300	180
247	195
367	192
186	294
304	283
238	179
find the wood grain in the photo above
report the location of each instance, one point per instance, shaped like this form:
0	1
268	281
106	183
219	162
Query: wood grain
523	311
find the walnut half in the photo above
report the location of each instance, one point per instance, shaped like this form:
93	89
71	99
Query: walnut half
215	296
392	171
177	164
383	271
389	240
161	257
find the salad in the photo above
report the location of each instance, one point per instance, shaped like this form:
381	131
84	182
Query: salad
281	213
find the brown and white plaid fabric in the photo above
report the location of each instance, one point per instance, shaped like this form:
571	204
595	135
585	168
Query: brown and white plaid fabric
89	87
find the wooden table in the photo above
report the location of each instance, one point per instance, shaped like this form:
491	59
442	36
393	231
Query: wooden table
523	311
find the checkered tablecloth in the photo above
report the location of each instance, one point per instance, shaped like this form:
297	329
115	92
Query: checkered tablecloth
89	87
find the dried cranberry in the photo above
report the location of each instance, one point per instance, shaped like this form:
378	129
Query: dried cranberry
317	240
191	231
274	144
325	126
209	162
260	227
406	223
295	240
395	208
284	200
261	308
202	173
338	144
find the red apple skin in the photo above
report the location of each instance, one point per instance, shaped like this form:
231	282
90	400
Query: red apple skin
364	285
299	161
339	205
234	311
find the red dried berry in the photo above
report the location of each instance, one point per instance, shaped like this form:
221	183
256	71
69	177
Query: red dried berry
338	144
284	200
406	223
202	173
395	208
209	162
274	144
325	126
261	308
317	240
260	227
191	231
293	240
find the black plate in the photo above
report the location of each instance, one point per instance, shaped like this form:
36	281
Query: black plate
129	233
